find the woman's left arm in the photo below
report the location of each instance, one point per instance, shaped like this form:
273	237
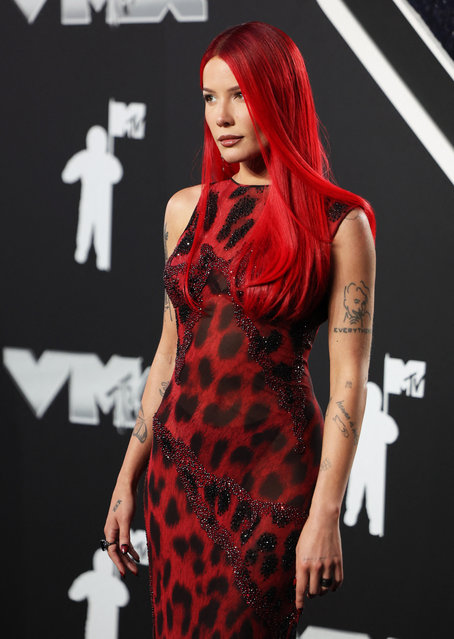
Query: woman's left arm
351	303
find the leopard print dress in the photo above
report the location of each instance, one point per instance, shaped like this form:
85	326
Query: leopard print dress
236	446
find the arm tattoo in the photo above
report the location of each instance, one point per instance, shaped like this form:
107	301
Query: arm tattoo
163	388
356	299
348	384
354	430
140	429
326	464
167	304
115	508
341	426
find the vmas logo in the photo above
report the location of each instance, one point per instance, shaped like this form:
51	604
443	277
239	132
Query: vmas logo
116	386
118	12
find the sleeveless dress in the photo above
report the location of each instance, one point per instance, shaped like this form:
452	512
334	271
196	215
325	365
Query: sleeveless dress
236	446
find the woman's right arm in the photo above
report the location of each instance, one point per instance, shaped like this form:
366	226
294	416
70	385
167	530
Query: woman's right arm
122	506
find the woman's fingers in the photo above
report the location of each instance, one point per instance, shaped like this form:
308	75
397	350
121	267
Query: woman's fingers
338	574
314	579
301	584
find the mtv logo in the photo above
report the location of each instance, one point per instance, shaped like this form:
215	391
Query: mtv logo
408	377
127	119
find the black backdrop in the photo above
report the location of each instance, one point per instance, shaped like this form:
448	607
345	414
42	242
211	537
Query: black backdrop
63	320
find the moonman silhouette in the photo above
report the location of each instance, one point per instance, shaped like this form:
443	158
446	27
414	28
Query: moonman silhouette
98	170
368	475
105	594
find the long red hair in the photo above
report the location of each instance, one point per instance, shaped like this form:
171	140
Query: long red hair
290	238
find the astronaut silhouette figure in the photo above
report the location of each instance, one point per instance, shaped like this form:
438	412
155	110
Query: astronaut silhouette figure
368	475
105	594
98	170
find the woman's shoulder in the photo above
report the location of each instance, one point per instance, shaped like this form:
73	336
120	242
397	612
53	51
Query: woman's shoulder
337	212
185	198
180	207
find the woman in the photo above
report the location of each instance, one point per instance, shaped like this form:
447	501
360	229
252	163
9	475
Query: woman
245	483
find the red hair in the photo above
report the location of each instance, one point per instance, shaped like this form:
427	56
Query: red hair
292	262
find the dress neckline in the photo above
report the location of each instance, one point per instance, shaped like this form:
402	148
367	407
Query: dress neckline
248	185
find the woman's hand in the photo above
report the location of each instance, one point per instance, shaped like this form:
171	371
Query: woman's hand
117	529
318	556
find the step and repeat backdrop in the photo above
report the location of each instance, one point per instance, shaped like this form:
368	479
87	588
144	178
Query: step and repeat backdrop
102	122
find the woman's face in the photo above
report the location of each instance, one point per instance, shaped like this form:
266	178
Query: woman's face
227	115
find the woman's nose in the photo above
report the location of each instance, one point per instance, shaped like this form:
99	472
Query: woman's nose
224	117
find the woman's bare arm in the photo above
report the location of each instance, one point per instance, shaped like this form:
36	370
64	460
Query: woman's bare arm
121	510
319	552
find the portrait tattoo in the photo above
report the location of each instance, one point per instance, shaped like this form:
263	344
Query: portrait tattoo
356	300
140	429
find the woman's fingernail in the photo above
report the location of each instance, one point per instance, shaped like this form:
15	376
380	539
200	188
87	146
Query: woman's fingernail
124	548
294	581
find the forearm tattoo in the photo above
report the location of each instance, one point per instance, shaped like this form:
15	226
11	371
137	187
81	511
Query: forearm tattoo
353	428
163	388
167	303
140	429
326	464
341	426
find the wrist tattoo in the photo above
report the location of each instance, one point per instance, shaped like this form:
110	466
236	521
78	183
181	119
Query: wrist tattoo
115	508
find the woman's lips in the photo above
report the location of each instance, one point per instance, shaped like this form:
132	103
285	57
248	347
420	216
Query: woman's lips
230	141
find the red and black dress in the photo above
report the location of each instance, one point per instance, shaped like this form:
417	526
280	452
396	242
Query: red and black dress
236	446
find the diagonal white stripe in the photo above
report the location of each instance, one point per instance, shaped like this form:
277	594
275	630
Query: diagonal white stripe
426	35
392	85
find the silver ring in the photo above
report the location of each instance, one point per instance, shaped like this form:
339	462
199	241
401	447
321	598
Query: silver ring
105	544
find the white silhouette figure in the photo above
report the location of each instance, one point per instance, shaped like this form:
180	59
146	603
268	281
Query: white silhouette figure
368	475
98	170
105	594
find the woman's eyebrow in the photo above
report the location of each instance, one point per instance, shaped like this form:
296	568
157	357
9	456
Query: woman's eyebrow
235	88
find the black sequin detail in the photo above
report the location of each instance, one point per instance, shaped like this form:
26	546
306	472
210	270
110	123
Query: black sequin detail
335	211
238	234
241	208
211	210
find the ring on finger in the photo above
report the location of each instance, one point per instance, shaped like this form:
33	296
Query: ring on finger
105	544
326	582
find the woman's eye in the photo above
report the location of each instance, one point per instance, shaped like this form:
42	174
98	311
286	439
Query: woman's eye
240	95
208	97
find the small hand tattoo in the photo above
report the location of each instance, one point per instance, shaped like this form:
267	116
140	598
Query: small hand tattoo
115	508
